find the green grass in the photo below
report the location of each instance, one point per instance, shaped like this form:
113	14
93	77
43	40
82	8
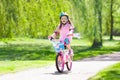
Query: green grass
109	73
83	49
27	50
13	66
20	54
40	49
23	50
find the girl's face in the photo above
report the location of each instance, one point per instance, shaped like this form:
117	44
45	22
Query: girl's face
64	19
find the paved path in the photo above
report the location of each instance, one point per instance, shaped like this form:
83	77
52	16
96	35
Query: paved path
107	57
81	70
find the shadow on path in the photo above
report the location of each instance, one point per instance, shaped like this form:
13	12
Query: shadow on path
58	73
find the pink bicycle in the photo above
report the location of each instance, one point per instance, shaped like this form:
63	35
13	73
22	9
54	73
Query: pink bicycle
62	56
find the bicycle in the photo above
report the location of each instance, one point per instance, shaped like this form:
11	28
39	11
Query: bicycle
63	57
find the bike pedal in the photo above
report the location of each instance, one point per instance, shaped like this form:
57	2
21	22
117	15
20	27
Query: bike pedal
66	62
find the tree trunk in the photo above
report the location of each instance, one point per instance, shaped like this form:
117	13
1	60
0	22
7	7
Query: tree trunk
112	20
100	23
97	42
100	34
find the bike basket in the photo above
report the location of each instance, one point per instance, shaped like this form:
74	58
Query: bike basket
59	46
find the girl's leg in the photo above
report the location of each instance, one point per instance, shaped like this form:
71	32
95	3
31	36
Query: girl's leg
70	50
67	43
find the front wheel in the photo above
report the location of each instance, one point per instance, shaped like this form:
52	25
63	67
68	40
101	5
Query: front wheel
59	63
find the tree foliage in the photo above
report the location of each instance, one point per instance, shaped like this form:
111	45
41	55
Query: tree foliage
30	18
39	18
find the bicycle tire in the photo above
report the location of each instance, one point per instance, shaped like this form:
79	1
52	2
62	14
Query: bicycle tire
59	63
69	64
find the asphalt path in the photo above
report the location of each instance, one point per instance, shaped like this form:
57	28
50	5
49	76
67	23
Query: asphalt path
81	70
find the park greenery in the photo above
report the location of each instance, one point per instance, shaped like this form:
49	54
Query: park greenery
39	18
26	24
23	53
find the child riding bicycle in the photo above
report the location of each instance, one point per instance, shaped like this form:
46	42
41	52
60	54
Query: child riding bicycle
65	29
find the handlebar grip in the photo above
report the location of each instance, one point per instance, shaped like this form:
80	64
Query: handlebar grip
50	38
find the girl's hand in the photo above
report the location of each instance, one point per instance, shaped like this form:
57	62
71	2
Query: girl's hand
69	34
77	35
50	37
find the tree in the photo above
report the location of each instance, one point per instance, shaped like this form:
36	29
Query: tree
97	42
111	20
111	17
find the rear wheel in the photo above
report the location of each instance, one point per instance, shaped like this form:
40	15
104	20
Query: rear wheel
69	63
59	63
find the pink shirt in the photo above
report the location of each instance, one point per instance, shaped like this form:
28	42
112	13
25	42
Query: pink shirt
65	29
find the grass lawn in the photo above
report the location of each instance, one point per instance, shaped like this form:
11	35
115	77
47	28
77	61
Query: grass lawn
82	48
21	51
109	73
13	66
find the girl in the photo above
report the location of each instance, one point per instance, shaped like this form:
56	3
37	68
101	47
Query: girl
65	30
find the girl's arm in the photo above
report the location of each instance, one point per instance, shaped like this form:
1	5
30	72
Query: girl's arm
56	32
71	30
